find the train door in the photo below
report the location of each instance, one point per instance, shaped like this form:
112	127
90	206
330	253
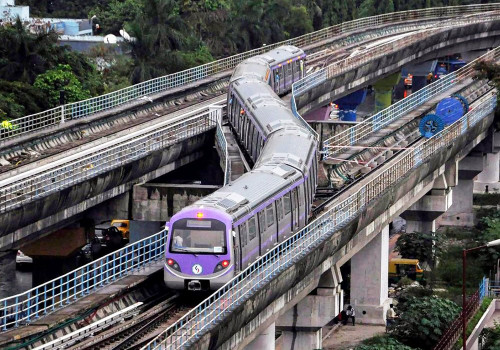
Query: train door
242	233
306	196
295	210
262	231
254	143
236	248
282	223
272	227
288	75
302	201
276	75
253	237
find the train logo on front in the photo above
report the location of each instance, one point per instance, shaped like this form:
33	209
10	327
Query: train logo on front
197	269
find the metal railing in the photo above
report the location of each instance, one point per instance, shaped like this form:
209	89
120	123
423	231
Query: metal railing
105	102
452	333
46	298
355	134
213	309
222	143
54	177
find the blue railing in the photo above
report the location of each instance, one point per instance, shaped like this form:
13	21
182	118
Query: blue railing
51	296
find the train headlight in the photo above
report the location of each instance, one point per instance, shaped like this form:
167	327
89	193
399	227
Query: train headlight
173	264
222	265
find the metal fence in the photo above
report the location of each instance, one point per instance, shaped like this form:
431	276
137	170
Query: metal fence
105	102
452	333
46	298
212	310
54	177
354	135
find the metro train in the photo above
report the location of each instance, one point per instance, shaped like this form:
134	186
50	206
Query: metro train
218	236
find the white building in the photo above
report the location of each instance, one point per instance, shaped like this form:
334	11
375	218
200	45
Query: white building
9	11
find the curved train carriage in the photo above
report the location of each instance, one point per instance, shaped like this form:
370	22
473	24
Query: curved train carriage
218	236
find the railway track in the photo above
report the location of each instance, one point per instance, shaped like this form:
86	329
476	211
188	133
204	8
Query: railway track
138	330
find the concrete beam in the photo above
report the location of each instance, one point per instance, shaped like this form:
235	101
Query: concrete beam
46	225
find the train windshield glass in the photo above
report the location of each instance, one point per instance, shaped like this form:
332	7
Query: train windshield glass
198	237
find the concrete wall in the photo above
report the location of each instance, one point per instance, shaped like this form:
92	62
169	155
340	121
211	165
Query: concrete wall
461	39
158	202
283	292
39	216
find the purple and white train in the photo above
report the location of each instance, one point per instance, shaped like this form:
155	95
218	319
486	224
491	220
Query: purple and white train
214	239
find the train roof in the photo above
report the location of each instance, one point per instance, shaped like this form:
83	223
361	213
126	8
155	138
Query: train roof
255	67
252	190
269	112
293	146
281	54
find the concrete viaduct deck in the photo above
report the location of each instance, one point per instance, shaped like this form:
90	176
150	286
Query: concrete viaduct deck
41	213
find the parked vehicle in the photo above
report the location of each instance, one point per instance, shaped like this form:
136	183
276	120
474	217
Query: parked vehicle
123	226
399	268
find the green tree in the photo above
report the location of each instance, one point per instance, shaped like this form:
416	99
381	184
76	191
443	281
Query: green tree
162	42
299	22
423	320
59	79
417	245
115	14
382	343
367	8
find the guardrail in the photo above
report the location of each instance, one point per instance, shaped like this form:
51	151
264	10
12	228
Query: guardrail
54	177
222	143
452	333
355	134
46	298
206	315
101	103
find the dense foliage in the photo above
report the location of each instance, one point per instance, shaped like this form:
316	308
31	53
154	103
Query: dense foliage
24	57
423	320
491	338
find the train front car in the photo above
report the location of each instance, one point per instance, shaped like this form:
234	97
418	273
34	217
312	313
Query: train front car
199	254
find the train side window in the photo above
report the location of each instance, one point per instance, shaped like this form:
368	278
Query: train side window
269	215
262	221
243	233
252	229
286	202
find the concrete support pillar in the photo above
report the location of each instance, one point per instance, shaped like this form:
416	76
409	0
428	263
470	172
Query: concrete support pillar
383	91
461	211
422	215
348	105
369	280
488	180
301	326
265	340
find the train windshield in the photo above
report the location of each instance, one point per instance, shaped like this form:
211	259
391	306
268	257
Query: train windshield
194	236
